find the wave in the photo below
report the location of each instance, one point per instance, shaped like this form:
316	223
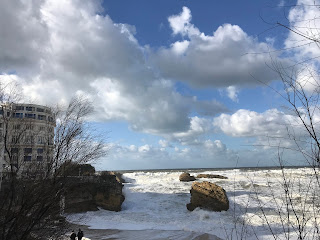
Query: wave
157	200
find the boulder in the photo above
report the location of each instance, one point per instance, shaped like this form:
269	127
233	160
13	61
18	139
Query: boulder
208	196
118	176
211	176
88	193
186	177
111	201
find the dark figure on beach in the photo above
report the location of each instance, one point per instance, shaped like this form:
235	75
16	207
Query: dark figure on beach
80	234
73	235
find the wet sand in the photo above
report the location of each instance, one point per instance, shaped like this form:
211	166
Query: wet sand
104	234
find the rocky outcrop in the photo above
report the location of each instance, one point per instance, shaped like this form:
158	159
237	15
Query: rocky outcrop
118	175
186	177
211	176
88	193
208	196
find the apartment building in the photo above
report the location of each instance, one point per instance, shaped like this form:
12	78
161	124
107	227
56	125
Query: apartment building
26	138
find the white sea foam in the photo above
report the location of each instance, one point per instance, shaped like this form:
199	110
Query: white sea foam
157	200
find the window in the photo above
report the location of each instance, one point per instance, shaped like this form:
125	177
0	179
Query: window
18	115
29	108
1	125
39	158
29	127
30	115
19	107
14	158
15	139
50	119
41	140
1	112
42	128
29	139
14	165
27	150
41	117
40	110
16	127
14	150
27	158
40	150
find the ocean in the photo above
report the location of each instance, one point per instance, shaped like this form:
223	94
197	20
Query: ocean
263	204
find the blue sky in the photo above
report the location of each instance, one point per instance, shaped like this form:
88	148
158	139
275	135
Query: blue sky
175	84
150	17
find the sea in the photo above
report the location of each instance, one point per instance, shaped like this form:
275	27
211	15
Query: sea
265	203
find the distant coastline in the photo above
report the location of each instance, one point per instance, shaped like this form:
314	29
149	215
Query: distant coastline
209	169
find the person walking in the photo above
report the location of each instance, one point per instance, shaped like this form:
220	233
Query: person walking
73	235
80	234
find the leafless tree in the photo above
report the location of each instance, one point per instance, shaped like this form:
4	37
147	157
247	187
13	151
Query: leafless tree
296	210
31	191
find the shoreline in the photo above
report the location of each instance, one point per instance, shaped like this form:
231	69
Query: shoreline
209	169
150	234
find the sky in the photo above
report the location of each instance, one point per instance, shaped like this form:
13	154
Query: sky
174	83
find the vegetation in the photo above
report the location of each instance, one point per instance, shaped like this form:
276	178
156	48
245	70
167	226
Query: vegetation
31	194
75	169
296	212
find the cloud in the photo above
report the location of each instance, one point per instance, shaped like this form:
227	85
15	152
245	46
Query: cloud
144	107
307	78
222	59
155	109
198	127
68	47
206	107
271	128
304	19
77	45
302	44
180	24
23	35
216	146
207	154
245	123
180	48
232	93
164	143
144	148
56	49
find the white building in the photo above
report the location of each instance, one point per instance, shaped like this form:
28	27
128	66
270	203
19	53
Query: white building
27	137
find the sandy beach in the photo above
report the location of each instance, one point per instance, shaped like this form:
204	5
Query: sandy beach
104	234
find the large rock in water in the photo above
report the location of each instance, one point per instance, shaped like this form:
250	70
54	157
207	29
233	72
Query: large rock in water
186	177
211	176
209	196
88	193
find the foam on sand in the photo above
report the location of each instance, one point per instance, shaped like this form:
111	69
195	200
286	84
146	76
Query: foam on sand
156	202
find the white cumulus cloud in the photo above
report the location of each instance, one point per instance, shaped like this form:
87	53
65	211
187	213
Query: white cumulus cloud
222	59
55	49
246	123
271	128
